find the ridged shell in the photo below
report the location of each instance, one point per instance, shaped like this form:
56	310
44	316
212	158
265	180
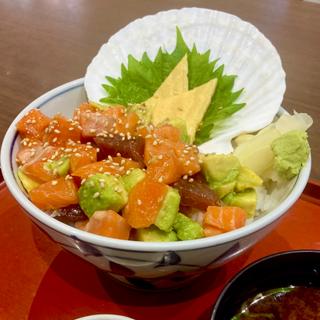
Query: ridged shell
243	50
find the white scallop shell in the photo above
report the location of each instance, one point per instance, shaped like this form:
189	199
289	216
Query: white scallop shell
240	46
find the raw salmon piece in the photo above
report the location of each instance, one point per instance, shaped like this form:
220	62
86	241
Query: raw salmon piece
109	224
54	194
144	203
33	124
225	218
62	132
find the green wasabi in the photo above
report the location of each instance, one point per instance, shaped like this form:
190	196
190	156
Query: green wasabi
291	151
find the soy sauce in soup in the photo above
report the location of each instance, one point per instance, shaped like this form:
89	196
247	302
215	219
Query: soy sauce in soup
291	303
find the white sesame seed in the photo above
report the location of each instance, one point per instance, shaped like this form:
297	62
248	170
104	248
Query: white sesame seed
96	195
139	202
187	162
83	181
56	131
185	177
155	142
54	139
54	182
160	179
191	180
160	157
127	126
78	155
71	128
118	154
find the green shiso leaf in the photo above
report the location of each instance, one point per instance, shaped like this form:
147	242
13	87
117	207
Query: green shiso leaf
140	79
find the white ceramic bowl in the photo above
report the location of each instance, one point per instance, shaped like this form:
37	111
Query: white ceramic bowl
151	265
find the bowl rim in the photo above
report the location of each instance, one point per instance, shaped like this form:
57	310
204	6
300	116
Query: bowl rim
252	265
129	245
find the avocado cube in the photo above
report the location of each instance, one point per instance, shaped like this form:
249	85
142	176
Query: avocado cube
59	167
247	200
168	211
26	181
153	234
182	126
186	228
221	172
102	192
247	179
131	179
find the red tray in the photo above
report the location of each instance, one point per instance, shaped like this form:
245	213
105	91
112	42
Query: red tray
38	280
